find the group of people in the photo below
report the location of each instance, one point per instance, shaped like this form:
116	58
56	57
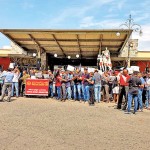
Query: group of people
110	86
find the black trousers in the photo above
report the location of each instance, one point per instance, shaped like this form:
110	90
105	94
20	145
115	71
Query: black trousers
0	88
22	89
91	91
123	92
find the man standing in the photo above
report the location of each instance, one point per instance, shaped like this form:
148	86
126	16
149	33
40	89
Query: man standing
140	102
91	81
68	85
63	85
124	87
51	79
105	83
97	86
7	84
24	78
85	77
77	84
134	85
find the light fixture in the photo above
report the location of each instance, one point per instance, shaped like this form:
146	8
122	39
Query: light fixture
34	54
131	44
69	57
77	56
55	55
118	34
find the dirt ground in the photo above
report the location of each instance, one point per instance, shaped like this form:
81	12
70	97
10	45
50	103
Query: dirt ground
46	124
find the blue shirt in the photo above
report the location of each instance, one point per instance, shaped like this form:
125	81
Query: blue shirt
8	77
142	82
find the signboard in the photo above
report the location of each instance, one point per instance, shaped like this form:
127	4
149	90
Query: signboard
37	87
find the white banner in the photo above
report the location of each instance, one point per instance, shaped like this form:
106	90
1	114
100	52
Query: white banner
70	68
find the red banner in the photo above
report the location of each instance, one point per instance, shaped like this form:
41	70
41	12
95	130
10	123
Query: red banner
37	87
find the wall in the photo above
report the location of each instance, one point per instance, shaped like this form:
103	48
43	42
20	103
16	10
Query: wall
4	62
143	65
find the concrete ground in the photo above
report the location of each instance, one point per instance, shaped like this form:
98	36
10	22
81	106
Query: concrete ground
46	124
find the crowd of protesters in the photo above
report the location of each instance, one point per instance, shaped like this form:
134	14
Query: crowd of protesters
119	87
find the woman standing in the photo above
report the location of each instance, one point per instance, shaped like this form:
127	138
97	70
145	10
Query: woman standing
15	83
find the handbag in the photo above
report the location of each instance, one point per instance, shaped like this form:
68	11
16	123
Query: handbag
134	91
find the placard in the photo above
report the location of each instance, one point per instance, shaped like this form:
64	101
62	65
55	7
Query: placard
70	68
46	76
91	70
135	68
38	75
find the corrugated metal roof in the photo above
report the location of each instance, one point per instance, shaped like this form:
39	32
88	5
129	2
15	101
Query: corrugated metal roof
88	43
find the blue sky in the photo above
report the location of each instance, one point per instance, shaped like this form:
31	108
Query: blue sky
75	14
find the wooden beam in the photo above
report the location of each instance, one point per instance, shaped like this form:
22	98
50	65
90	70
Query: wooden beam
69	40
79	45
72	46
58	44
36	42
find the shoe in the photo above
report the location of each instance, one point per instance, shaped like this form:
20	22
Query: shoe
140	110
123	108
8	100
126	112
117	108
134	113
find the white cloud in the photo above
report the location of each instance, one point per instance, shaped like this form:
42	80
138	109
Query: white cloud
116	5
89	22
120	4
142	17
79	12
144	40
6	47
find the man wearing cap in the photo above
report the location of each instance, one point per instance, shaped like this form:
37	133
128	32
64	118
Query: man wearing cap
7	84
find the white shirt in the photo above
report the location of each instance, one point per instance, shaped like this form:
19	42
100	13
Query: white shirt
16	77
